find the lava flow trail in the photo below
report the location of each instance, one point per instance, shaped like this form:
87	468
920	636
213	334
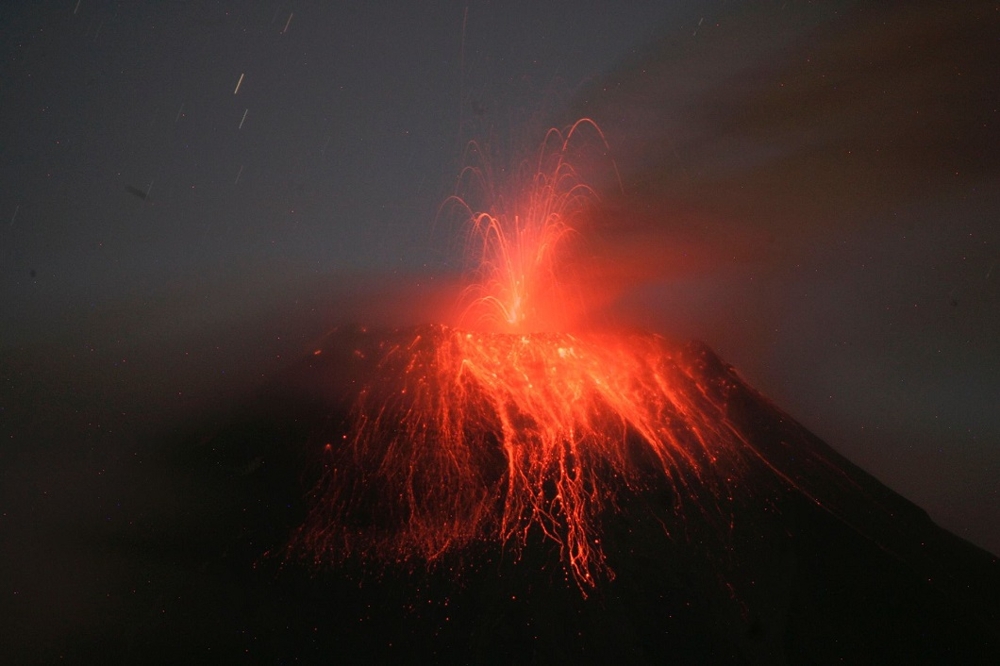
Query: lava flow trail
471	436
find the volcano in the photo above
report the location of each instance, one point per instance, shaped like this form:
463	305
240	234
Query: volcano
739	538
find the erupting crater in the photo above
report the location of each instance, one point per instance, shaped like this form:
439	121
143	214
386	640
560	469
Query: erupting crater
506	425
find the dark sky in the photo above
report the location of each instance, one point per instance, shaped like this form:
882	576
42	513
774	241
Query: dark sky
811	190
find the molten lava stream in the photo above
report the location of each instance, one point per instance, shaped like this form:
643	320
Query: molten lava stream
471	436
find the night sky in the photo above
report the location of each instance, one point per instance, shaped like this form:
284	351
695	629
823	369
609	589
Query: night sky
190	193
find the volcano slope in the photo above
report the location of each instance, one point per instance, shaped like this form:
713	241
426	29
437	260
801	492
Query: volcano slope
770	549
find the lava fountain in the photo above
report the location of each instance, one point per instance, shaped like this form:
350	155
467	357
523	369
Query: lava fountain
507	425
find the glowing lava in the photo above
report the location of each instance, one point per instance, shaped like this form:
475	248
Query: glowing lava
490	435
506	426
521	242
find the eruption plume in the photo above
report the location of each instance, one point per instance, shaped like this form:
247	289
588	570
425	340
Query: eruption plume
507	425
521	237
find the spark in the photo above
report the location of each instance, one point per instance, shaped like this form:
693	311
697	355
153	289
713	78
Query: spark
180	112
77	8
238	174
287	23
239	83
244	118
18	207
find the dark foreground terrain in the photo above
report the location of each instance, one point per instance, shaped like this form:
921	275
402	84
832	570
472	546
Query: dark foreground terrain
814	561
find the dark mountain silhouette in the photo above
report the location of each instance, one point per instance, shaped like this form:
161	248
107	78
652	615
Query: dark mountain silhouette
808	559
